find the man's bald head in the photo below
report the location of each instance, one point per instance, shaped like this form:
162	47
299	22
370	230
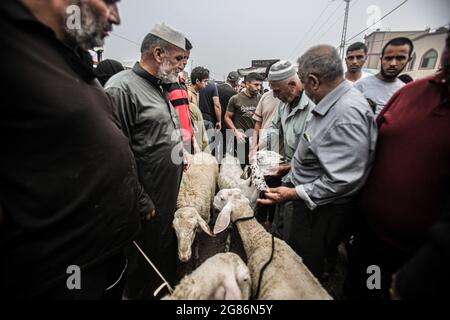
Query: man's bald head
323	61
321	71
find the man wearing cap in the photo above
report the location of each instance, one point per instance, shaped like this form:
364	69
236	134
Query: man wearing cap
150	122
226	91
331	162
289	120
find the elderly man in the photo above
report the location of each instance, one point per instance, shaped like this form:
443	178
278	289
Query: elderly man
67	185
289	120
291	115
150	122
331	162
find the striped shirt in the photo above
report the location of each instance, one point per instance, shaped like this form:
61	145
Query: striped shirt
178	97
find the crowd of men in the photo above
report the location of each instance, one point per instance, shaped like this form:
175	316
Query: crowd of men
92	159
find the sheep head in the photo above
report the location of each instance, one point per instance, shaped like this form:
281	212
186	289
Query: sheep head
254	173
234	281
186	223
233	205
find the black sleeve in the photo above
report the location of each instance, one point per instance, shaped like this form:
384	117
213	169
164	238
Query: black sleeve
126	112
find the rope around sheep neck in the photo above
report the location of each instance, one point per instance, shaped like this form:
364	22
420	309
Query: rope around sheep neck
261	273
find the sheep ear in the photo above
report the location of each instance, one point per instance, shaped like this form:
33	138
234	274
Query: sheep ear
202	223
223	220
232	290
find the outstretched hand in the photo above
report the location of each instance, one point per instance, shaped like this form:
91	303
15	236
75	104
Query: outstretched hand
279	195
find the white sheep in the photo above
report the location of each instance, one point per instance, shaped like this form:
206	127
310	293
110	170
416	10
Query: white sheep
197	190
230	173
230	176
221	277
286	277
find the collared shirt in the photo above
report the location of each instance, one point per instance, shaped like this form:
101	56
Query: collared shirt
290	123
336	150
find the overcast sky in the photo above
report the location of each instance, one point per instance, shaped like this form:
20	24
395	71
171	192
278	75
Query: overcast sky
228	34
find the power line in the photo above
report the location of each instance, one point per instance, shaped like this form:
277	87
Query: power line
310	28
387	14
321	26
126	39
336	21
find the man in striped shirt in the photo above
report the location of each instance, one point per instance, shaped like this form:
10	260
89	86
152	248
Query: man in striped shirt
179	98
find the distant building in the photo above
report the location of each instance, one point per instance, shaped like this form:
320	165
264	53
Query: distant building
428	46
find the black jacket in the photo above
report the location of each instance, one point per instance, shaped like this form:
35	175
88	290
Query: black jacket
68	186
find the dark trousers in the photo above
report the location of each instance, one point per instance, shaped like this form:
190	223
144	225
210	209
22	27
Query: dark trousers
101	282
315	235
241	151
368	250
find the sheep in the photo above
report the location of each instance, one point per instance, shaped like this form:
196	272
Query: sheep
267	160
221	277
230	173
286	277
197	190
230	177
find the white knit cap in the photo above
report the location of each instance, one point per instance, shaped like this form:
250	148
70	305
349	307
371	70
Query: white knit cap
170	35
281	70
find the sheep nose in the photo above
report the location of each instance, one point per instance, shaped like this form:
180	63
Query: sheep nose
184	258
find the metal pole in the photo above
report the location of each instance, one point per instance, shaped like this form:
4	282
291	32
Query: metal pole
344	30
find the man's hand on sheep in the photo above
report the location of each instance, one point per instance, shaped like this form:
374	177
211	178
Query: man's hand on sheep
240	136
279	195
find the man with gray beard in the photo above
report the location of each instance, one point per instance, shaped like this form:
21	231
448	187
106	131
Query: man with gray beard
68	186
152	125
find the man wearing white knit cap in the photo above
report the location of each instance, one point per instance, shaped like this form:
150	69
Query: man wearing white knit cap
288	121
152	125
292	114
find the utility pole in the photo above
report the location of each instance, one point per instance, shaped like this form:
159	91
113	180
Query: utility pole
344	30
